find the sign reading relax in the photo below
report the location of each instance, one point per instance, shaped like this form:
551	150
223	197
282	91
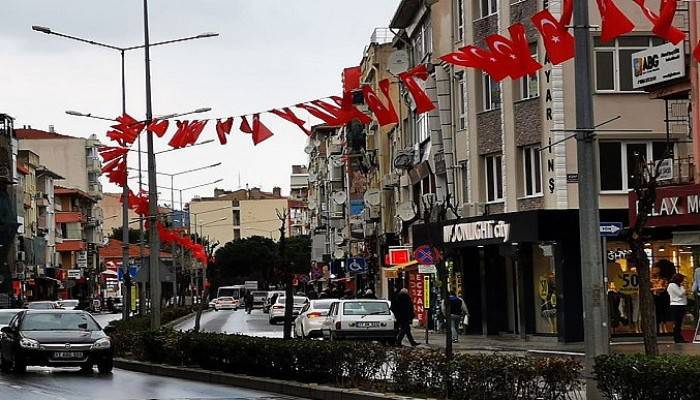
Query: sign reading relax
475	231
675	205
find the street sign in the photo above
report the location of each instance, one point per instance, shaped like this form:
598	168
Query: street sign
427	269
74	273
426	255
356	265
399	255
426	291
665	169
82	259
610	229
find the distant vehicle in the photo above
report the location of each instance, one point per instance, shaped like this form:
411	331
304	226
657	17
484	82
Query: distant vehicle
6	315
117	305
65	338
259	298
42	305
68	304
212	303
226	303
236	291
360	319
277	309
309	323
270	299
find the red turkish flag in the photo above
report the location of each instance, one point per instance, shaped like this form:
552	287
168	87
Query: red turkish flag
514	53
615	23
126	131
245	126
289	115
115	170
560	44
420	97
385	113
179	139
110	153
696	52
260	131
194	130
320	114
335	114
567	11
223	128
158	127
663	27
476	57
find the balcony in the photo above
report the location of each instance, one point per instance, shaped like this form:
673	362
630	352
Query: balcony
683	172
94	165
95	190
42	199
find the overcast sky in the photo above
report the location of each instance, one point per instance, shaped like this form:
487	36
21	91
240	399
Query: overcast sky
271	53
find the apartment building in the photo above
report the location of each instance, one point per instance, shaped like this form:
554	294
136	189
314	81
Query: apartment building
8	209
298	201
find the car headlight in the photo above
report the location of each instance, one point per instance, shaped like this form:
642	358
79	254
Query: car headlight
29	343
103	343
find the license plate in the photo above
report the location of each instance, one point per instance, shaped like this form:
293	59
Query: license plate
367	324
68	354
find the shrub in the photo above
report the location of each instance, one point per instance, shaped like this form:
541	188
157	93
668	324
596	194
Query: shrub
636	377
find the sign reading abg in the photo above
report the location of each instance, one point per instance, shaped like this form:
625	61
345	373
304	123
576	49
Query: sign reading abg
657	64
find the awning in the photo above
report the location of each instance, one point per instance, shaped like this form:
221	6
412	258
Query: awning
689	238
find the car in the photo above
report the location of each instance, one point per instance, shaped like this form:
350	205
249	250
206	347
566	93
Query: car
277	309
309	323
42	305
6	315
227	303
117	305
63	338
259	298
68	304
212	303
361	319
271	298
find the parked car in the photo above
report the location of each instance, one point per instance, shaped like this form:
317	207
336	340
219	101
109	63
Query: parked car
212	303
360	319
271	298
259	298
6	315
68	304
277	309
42	305
309	323
227	303
64	338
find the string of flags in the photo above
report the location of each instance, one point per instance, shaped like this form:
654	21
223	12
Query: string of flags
503	57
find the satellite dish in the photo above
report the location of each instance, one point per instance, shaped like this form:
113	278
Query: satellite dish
308	149
312	204
338	254
337	161
373	197
339	238
406	211
317	142
339	197
312	178
398	62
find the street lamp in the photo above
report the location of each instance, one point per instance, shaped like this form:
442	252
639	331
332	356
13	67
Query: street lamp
155	319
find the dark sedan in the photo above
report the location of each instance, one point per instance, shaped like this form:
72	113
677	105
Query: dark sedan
59	338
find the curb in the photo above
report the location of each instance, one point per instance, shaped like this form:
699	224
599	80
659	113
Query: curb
177	321
288	388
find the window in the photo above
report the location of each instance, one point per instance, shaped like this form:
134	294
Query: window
491	93
530	84
459	20
423	40
532	170
613	61
461	102
488	7
465	181
619	160
494	178
422	130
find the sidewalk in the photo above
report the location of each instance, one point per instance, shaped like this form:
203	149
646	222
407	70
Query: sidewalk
544	346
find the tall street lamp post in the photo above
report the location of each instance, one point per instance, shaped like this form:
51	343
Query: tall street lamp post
125	191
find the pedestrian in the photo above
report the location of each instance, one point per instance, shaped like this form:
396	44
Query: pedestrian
402	307
679	301
249	301
369	294
454	310
110	304
325	294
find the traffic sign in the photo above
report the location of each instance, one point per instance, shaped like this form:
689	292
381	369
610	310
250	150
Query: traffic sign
399	255
426	255
610	229
427	269
356	265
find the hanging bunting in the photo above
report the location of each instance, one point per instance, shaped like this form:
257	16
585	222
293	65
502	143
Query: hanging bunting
615	23
159	127
352	111
115	170
475	57
385	113
110	153
289	115
260	131
245	126
194	131
223	128
514	53
126	131
567	12
180	136
420	97
663	23
320	114
560	44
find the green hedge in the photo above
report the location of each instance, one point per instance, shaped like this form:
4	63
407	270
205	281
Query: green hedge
359	364
637	377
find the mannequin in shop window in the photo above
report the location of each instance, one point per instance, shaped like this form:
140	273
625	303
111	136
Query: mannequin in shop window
661	273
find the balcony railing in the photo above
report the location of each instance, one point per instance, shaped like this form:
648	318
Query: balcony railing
683	172
94	165
95	190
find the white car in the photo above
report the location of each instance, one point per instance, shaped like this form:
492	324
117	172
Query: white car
271	298
212	303
68	304
226	303
277	309
309	323
361	319
6	315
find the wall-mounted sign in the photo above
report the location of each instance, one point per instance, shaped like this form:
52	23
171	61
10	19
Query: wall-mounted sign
675	206
399	255
664	169
474	231
658	64
571	178
74	274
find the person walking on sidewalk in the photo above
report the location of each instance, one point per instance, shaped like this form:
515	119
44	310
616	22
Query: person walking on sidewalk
402	307
454	310
679	301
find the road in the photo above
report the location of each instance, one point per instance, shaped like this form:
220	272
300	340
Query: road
71	384
226	321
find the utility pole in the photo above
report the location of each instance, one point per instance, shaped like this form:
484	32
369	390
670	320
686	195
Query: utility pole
126	296
153	260
595	310
289	289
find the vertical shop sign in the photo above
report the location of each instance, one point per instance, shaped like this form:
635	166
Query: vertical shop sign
415	290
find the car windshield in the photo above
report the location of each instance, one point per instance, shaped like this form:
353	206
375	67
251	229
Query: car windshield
6	316
365	308
227	299
70	303
58	321
41	306
298	301
321	305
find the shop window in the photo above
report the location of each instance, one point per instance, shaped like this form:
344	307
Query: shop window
613	61
619	162
532	170
545	293
494	178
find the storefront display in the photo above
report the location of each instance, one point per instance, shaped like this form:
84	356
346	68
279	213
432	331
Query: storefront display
545	293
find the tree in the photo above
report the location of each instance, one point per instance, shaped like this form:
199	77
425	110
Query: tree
134	235
298	253
253	258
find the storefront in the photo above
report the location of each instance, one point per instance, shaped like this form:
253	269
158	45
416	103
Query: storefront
519	273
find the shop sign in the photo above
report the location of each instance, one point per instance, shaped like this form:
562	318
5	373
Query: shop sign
416	291
74	274
657	64
475	231
427	269
664	169
391	273
399	255
675	206
82	259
